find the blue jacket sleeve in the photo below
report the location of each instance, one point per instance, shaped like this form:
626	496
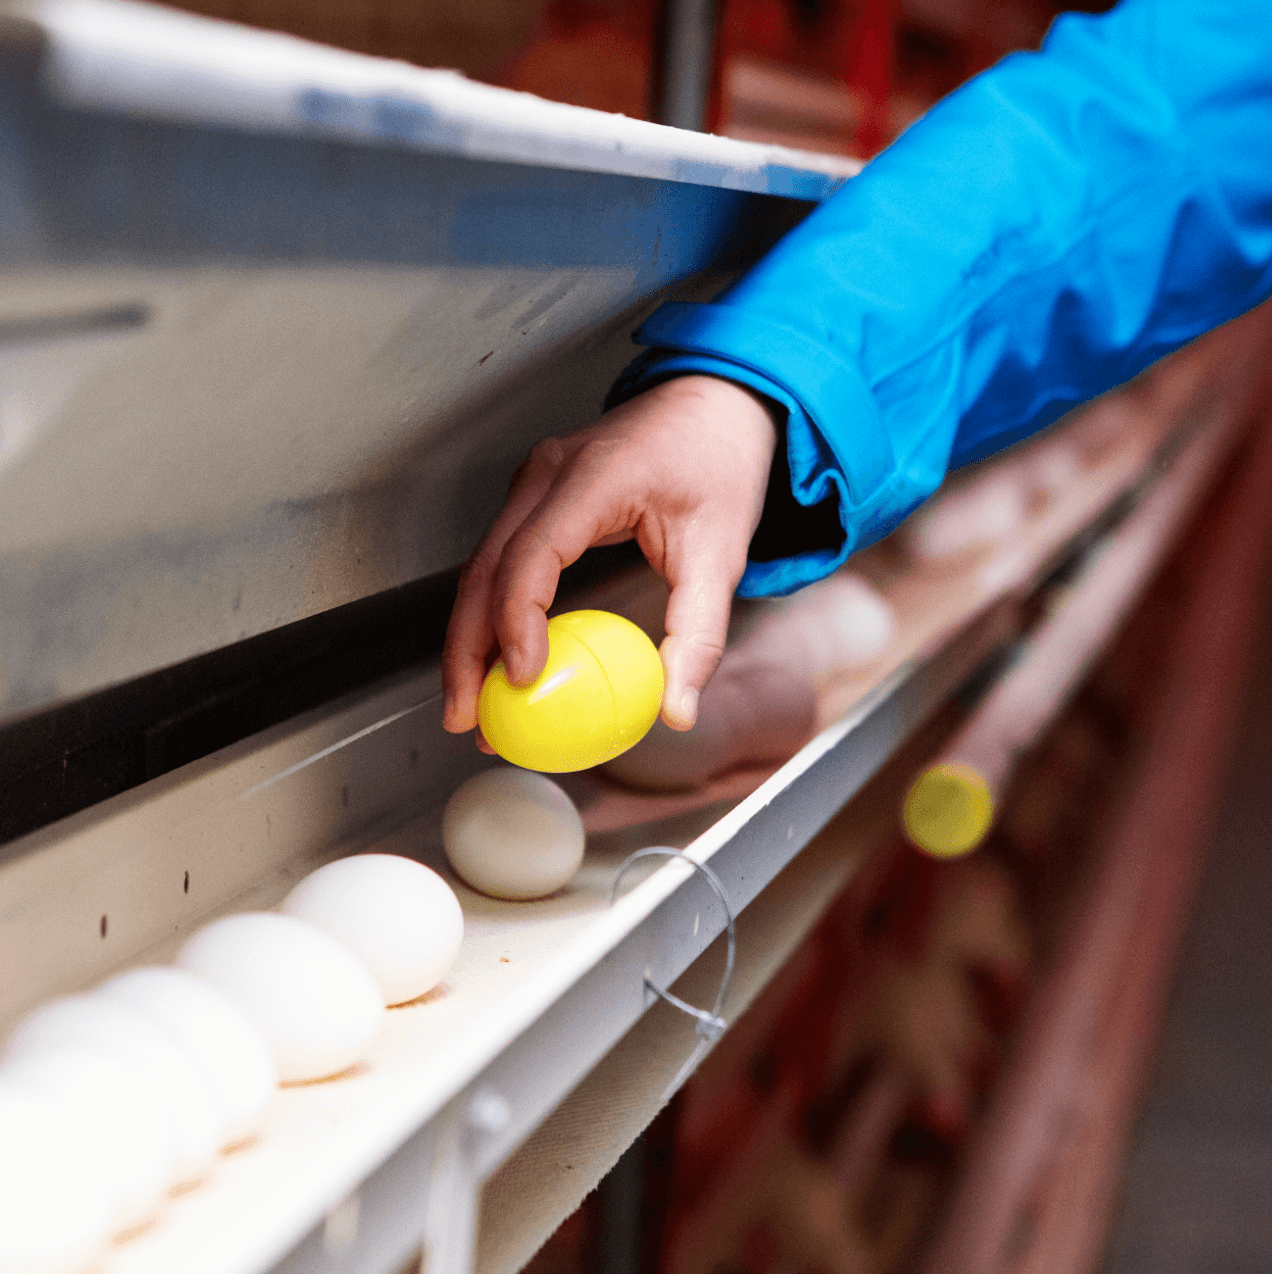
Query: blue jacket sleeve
1041	235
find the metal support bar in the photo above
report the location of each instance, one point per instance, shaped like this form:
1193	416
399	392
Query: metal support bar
687	61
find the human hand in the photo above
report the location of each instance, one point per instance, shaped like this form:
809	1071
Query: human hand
683	468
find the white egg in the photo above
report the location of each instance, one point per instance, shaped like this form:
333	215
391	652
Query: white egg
512	833
214	1031
115	1112
399	918
315	1005
848	624
178	1086
56	1208
983	512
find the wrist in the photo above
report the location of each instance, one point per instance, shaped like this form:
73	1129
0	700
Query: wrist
722	399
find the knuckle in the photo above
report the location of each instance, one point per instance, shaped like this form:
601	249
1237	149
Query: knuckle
519	475
733	565
604	449
504	595
480	567
547	453
709	646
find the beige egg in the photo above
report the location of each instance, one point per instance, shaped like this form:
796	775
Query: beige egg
512	834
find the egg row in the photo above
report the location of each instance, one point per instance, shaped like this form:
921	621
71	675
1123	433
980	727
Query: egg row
111	1100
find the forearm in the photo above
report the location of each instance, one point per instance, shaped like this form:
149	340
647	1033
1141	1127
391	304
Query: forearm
1043	234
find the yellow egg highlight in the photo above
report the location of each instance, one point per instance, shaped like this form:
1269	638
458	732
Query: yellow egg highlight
948	810
597	696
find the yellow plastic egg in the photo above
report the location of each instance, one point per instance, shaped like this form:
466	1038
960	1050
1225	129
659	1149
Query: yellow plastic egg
597	696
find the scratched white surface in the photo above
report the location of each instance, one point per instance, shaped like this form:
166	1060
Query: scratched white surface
147	60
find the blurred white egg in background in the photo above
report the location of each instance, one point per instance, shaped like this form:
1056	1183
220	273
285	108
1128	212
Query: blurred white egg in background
315	1005
117	1115
214	1031
179	1088
56	1207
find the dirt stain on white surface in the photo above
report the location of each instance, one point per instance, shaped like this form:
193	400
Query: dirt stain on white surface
349	1072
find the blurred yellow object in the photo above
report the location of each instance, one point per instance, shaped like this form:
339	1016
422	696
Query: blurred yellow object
948	810
597	696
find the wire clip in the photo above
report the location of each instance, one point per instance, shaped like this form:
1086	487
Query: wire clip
708	1025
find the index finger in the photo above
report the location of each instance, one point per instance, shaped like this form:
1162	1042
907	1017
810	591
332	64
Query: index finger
588	503
470	635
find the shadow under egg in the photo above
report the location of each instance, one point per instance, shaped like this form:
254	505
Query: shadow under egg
439	992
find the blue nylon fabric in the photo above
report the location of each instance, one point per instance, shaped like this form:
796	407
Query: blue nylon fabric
1041	235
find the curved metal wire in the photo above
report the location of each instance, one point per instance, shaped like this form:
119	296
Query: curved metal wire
708	1025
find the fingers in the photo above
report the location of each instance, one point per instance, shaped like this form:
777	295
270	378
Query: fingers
685	464
583	507
697	624
468	637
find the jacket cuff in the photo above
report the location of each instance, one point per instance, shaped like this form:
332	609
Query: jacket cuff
772	359
824	385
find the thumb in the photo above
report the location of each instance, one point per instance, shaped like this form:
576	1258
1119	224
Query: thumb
697	624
